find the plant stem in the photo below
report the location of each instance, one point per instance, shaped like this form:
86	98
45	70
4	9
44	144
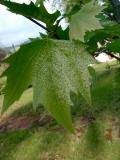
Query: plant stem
113	56
108	53
45	28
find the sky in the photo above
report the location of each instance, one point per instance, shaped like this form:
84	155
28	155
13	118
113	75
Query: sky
15	29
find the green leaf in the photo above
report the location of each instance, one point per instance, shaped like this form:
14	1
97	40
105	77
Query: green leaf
39	13
114	46
110	31
54	68
85	20
63	34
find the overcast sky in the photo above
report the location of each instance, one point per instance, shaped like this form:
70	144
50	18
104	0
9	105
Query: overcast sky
15	28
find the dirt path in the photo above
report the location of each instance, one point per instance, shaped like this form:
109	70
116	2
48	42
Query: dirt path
23	122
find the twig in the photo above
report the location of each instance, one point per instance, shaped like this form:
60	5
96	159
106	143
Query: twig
113	56
108	53
45	28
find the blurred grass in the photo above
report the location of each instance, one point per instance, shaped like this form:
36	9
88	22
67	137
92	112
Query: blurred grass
43	144
51	143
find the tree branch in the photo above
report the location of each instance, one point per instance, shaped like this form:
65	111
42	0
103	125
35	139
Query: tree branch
113	56
40	25
108	53
45	28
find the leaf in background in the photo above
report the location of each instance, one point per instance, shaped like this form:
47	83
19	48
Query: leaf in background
39	13
114	46
110	30
85	20
54	68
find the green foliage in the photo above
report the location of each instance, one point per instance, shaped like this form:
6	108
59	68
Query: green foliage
68	6
116	6
85	20
31	10
63	34
111	30
114	46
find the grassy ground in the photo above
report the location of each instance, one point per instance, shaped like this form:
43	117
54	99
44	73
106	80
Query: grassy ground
51	142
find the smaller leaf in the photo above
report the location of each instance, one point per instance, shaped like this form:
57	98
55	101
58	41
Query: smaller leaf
85	20
111	29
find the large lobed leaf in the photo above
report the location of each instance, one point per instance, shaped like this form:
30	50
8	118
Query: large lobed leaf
85	20
54	68
40	13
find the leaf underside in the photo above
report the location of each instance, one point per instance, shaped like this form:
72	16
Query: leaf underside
54	68
85	20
